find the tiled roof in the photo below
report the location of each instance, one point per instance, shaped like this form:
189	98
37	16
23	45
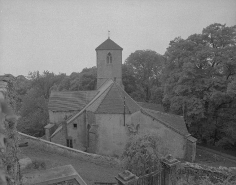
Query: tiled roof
94	106
69	100
175	122
101	91
113	102
151	106
109	45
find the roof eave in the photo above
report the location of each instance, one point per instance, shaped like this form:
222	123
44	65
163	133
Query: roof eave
167	125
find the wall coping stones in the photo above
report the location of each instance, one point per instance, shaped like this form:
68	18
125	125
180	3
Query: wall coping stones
54	147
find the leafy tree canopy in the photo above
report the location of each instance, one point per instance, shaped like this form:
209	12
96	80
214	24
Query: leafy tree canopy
199	79
144	67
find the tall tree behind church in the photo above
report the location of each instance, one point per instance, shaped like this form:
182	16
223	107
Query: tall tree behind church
145	68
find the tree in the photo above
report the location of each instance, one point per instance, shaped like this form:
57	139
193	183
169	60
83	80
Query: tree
44	82
85	80
34	114
146	67
196	76
34	107
88	78
128	79
142	154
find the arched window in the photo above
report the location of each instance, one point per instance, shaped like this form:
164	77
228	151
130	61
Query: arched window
109	58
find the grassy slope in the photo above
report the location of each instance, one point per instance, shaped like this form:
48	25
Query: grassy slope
210	159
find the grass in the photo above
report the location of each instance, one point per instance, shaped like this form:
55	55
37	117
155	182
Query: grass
207	158
37	164
88	170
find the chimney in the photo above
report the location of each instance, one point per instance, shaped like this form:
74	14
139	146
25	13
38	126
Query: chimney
49	129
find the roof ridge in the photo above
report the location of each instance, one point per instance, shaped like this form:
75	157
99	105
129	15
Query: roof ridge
109	45
103	83
68	121
129	96
120	89
105	96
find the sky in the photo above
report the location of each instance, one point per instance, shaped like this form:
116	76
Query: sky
61	35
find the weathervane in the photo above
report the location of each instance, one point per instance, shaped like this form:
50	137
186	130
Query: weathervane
108	34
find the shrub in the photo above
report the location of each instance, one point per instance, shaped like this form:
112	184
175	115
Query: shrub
37	165
142	154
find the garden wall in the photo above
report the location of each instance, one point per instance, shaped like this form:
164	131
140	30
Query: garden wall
66	151
196	172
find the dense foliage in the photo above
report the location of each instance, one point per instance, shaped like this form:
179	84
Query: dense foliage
141	75
142	154
199	82
9	160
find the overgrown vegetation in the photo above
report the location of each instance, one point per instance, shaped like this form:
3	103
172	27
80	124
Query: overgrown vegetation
142	154
8	121
36	165
205	181
199	83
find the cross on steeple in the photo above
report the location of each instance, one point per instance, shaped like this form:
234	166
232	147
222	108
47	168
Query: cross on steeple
108	34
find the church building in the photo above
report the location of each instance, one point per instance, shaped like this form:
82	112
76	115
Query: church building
103	120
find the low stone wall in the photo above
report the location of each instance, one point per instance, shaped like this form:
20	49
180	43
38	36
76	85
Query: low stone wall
197	171
66	151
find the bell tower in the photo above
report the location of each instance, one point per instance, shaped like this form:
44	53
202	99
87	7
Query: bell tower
109	62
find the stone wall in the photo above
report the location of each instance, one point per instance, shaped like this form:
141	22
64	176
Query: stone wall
77	134
57	117
174	142
193	171
70	152
59	137
112	134
109	71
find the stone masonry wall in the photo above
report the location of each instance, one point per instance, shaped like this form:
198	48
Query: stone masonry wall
70	152
172	141
109	71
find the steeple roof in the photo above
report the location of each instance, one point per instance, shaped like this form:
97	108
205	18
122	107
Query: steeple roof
109	45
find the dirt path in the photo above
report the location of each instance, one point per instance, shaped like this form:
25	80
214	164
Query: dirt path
89	171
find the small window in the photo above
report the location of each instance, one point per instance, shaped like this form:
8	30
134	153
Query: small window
109	58
69	143
75	126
